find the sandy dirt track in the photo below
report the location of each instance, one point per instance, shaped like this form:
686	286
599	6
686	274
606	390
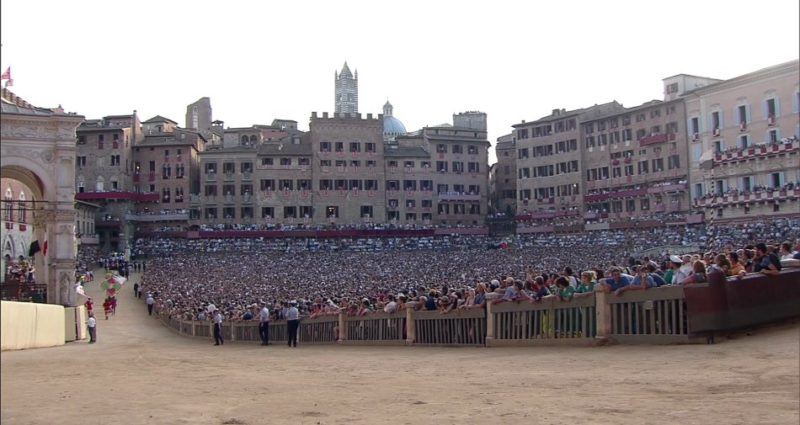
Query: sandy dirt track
142	373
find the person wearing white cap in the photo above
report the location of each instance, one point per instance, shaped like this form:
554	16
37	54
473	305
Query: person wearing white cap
292	323
674	274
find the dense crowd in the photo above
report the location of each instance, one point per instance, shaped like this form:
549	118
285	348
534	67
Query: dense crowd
236	276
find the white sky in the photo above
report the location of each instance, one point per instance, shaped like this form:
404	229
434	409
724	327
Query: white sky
260	60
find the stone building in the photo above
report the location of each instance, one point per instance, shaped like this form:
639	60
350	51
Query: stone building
745	147
104	175
460	158
347	168
503	176
37	149
635	161
167	164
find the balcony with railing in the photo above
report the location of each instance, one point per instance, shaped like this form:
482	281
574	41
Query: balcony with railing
656	138
761	150
458	196
668	188
736	197
117	195
632	193
180	215
211	177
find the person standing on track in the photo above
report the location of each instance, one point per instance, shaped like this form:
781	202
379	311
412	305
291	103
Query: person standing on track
150	301
263	324
92	324
218	328
292	323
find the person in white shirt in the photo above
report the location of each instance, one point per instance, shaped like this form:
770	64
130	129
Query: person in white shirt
391	306
150	301
292	323
92	324
218	328
263	324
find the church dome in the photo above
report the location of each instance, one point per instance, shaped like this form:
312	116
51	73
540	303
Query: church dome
391	125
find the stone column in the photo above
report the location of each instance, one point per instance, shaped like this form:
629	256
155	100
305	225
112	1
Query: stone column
61	257
489	323
342	327
411	327
603	310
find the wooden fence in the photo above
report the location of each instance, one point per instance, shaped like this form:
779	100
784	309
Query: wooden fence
546	322
374	329
458	327
653	316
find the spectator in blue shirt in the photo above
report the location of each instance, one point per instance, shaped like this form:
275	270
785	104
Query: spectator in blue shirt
657	278
617	281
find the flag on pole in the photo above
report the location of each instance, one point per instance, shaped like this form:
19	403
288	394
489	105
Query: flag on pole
34	248
6	75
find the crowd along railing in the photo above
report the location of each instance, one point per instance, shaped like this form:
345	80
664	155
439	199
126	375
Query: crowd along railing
651	316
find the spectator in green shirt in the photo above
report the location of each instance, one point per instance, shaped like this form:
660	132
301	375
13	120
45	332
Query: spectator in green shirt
564	291
588	281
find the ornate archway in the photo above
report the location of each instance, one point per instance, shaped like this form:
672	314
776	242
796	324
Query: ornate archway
37	148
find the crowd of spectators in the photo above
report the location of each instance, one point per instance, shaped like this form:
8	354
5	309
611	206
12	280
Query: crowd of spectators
443	272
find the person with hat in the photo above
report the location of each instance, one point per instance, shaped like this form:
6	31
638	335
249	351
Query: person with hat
674	274
263	324
292	323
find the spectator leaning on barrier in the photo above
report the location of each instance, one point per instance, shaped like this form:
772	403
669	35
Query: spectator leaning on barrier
617	281
699	274
564	291
736	265
588	282
766	262
642	280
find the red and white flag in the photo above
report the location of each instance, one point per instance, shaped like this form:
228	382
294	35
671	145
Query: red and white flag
6	75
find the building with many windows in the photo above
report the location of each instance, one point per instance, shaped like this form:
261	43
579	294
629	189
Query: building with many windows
635	161
729	148
503	176
744	147
104	176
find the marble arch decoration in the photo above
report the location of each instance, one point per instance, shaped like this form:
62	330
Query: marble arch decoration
37	148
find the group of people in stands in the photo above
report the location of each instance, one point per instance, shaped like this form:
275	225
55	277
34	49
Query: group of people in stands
236	276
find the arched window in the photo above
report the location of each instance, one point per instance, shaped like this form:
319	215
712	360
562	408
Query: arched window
244	140
22	213
8	205
253	139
